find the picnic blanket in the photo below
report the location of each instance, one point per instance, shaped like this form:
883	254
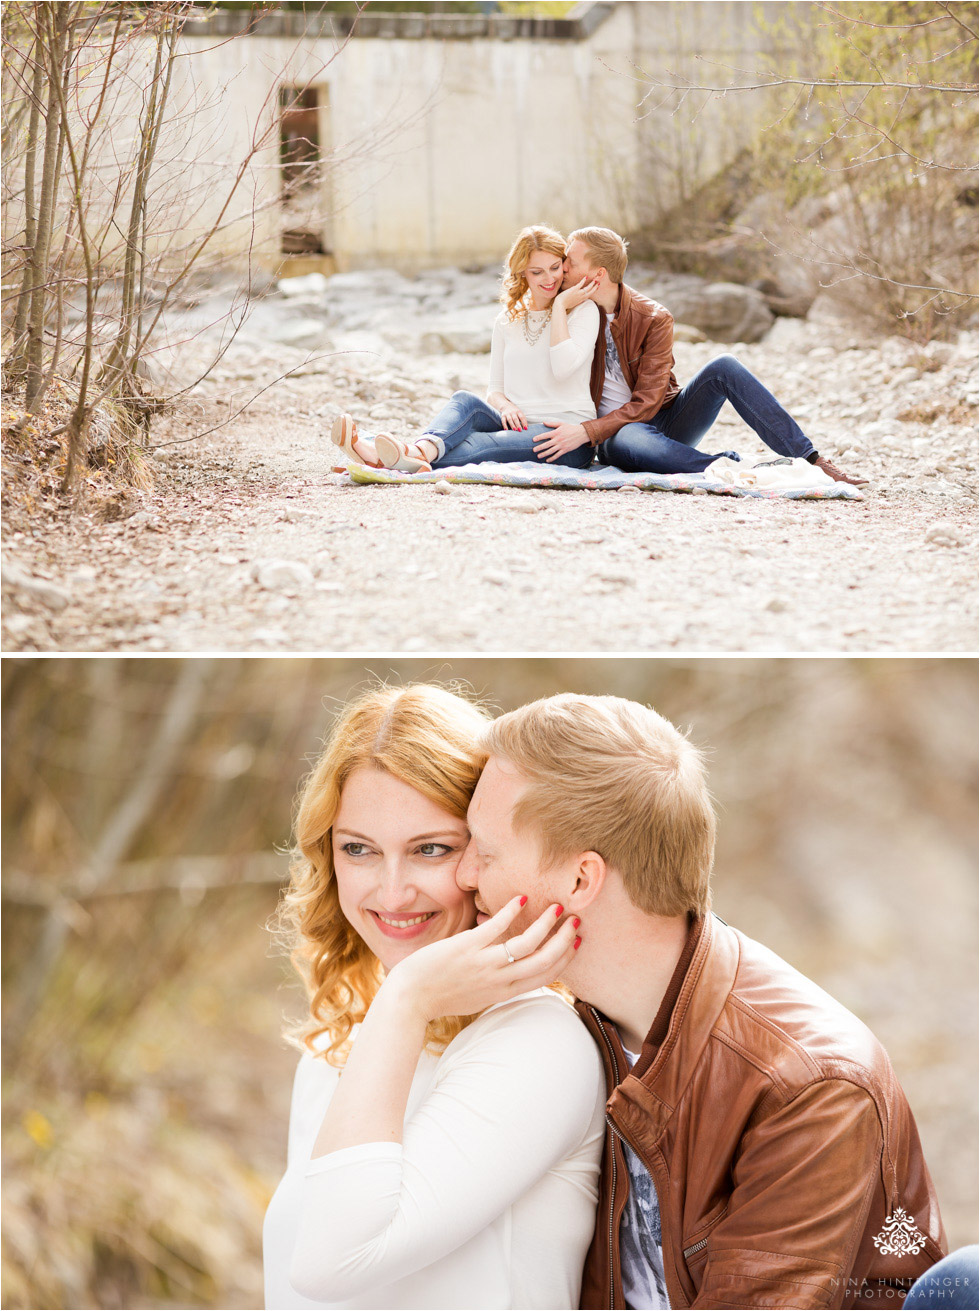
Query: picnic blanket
530	473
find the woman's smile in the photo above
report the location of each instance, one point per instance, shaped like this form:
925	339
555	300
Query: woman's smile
403	926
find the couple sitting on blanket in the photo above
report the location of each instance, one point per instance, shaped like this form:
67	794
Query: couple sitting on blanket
582	366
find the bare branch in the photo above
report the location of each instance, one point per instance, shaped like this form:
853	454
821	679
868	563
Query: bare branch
184	874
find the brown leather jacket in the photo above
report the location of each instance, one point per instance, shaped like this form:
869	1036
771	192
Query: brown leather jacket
643	332
777	1136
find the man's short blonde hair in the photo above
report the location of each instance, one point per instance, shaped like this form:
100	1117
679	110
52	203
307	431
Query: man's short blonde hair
607	250
609	775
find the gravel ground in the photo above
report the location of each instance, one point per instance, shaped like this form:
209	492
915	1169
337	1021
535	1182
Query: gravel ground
186	564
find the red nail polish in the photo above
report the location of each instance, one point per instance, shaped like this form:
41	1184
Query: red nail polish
576	944
559	910
523	901
576	922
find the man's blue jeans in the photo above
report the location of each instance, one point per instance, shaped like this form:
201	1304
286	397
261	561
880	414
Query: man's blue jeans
468	431
666	444
953	1282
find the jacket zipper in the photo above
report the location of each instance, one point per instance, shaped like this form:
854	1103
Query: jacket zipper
612	1200
612	1211
688	1251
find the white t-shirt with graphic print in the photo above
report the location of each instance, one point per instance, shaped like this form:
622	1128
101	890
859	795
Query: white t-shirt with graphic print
615	391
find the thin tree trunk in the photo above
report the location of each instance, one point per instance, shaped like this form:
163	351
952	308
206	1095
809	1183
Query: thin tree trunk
120	350
138	344
78	422
58	14
124	354
17	361
55	352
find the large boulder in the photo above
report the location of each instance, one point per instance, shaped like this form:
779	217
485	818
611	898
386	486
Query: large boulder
661	284
790	287
456	341
723	311
308	285
304	334
463	332
359	281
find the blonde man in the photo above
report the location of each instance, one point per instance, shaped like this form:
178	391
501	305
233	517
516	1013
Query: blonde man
646	422
758	1138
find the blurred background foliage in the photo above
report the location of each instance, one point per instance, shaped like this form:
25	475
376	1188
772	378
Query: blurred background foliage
146	809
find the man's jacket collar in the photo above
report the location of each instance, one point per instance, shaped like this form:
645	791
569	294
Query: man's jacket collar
648	1094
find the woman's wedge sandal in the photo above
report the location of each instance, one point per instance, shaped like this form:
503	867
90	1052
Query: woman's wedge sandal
396	454
344	434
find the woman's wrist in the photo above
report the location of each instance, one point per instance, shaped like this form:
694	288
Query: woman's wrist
403	1001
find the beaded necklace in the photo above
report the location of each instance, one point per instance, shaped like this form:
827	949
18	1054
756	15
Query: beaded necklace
532	336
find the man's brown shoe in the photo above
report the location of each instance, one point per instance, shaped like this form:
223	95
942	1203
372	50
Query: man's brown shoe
833	472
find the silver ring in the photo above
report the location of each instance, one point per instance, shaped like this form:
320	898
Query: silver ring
511	960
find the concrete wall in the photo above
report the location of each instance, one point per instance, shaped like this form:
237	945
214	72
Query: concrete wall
437	150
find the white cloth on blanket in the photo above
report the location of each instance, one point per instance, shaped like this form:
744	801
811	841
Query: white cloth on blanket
791	476
488	1201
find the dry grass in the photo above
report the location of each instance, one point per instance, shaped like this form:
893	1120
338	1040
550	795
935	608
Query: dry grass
141	1180
35	455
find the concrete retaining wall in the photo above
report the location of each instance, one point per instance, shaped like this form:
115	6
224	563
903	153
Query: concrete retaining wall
442	135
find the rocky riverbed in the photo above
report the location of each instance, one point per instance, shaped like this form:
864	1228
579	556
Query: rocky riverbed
248	540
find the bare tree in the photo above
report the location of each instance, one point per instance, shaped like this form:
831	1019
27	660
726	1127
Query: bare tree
72	70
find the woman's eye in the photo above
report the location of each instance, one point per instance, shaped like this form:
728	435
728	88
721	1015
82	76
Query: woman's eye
434	849
354	848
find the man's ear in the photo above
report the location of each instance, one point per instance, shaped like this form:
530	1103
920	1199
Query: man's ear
590	874
598	275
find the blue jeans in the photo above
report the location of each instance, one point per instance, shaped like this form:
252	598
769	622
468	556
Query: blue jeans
666	444
468	431
952	1282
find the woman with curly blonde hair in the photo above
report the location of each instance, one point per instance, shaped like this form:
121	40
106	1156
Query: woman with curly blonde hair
540	367
448	1110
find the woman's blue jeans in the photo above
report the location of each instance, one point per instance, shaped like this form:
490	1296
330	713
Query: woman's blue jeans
469	431
666	444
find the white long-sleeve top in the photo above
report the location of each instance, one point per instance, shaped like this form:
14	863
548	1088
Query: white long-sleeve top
545	381
488	1201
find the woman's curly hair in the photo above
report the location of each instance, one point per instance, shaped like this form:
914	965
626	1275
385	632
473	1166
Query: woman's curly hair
514	286
425	736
